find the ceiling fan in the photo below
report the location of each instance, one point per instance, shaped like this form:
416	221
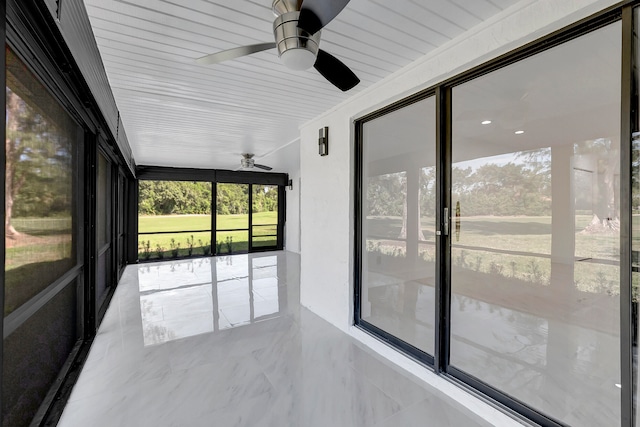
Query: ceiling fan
247	162
297	36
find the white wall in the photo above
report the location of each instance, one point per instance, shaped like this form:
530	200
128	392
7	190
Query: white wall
327	194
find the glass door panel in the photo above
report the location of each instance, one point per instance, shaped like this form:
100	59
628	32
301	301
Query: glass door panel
398	224
535	279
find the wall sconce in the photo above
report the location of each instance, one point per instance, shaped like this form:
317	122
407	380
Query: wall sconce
323	141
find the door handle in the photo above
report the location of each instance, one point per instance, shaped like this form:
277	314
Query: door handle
458	221
446	221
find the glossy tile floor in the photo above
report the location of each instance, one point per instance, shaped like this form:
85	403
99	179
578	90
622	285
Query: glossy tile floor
223	342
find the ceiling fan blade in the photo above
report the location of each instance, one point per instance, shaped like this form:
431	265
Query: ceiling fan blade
315	14
236	52
335	71
267	168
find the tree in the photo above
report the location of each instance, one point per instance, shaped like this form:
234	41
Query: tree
39	160
606	206
174	197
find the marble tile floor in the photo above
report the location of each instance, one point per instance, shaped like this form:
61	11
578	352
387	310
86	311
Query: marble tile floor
224	342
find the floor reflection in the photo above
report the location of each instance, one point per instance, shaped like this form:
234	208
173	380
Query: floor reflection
552	346
267	362
180	299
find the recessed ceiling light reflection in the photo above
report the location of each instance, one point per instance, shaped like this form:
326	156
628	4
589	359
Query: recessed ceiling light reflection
486	122
519	132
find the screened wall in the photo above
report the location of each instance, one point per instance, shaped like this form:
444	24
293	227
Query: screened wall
175	216
42	265
65	211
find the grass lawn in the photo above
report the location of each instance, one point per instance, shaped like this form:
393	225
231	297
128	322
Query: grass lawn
238	240
39	255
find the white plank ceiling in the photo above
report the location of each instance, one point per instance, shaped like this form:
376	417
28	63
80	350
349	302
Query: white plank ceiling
178	113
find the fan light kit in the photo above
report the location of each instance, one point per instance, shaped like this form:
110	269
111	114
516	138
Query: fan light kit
247	162
296	30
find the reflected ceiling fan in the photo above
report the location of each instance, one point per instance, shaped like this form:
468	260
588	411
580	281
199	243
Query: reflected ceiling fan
297	36
247	162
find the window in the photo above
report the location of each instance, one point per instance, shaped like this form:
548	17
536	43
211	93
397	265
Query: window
232	218
41	205
174	219
264	216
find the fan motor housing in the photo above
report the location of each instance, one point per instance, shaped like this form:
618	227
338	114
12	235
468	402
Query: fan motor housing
283	6
289	37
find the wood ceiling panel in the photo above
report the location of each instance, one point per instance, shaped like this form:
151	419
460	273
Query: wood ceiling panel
179	113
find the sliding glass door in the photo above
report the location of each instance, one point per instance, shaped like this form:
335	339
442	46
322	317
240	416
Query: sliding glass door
489	230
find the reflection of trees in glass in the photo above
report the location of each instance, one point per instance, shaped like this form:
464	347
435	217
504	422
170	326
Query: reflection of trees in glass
427	191
635	173
38	165
387	197
386	194
606	206
519	187
40	153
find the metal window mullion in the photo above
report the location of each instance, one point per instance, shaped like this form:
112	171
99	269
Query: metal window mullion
443	247
250	243
627	126
214	217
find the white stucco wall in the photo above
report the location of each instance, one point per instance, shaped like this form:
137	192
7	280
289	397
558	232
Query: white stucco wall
326	197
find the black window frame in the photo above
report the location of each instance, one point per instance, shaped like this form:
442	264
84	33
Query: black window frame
219	176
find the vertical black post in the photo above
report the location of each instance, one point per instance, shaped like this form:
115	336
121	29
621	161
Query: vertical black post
90	249
113	233
3	159
626	130
132	221
214	210
282	212
357	211
250	231
443	246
